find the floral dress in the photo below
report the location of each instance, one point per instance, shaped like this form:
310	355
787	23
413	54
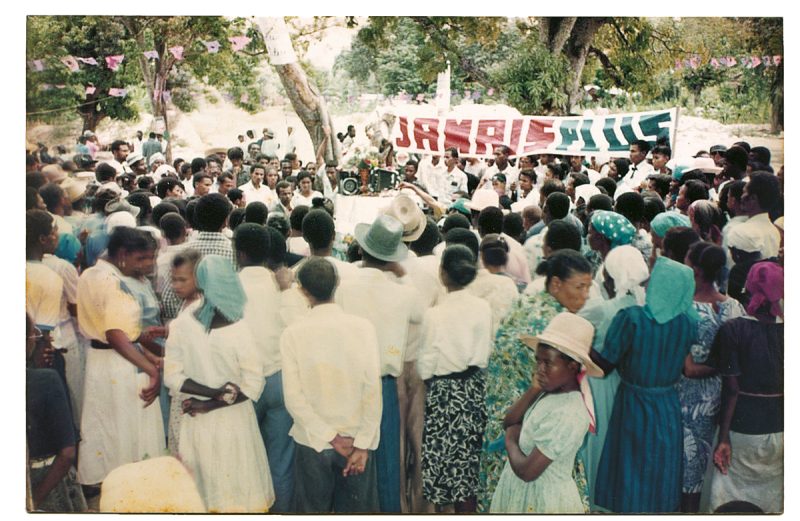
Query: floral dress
700	397
508	376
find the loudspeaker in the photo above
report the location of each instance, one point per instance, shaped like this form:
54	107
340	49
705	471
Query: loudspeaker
349	183
380	180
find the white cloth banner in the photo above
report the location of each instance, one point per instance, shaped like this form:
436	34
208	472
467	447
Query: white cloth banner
276	37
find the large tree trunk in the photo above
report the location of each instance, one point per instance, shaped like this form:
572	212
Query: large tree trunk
91	116
310	106
776	97
576	51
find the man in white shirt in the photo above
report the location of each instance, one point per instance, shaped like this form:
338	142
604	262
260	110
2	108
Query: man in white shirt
455	180
640	168
332	389
269	146
255	189
500	166
290	141
760	194
120	151
431	175
577	167
262	315
475	166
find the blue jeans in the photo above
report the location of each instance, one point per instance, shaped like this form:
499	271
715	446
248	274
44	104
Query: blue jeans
274	422
387	455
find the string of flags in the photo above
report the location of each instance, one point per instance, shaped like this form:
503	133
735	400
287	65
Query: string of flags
748	62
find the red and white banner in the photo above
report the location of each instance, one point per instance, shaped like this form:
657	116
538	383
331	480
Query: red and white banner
611	134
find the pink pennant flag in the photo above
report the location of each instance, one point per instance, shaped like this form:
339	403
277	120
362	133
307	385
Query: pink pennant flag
90	89
71	63
490	92
755	61
37	65
714	63
212	46
777	60
151	55
166	96
678	65
113	62
177	52
239	42
117	93
694	62
730	61
245	98
88	61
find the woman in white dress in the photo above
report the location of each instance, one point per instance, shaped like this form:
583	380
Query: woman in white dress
211	355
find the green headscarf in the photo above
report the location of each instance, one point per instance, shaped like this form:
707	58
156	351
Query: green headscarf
662	222
670	291
614	227
222	290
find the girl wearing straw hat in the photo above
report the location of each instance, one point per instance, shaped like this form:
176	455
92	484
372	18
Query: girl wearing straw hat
546	426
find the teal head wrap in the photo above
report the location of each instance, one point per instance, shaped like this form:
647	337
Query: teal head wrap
222	290
670	291
662	222
614	227
68	247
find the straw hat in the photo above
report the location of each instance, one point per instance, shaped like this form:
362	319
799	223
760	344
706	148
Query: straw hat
54	173
121	205
405	210
382	239
134	158
483	199
74	188
703	164
570	334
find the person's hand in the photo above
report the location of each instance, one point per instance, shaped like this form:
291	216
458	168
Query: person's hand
153	359
44	353
722	456
150	393
193	406
343	445
356	463
228	389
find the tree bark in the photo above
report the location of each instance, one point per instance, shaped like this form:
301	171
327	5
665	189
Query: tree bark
576	50
91	116
554	32
776	97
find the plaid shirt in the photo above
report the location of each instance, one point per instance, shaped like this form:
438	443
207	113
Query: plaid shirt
207	243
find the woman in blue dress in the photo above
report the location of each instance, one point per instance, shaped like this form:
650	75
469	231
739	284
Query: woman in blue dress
641	465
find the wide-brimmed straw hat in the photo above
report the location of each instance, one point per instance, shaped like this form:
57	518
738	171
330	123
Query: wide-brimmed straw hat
570	334
405	210
382	239
483	199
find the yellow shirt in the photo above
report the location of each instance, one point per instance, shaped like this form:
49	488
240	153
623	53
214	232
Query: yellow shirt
103	305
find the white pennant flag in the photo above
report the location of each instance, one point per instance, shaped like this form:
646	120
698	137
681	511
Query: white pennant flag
443	91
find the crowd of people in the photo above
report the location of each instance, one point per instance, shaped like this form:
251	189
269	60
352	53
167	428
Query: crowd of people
523	334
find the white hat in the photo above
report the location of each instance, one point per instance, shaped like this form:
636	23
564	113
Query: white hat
570	334
117	219
134	158
703	164
155	157
405	210
163	170
483	199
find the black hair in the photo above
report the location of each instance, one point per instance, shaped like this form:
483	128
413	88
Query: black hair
765	188
302	175
623	164
737	157
652	207
695	190
600	202
551	186
631	206
185	167
318	229
558	170
742	144
296	217
152	135
191	208
279	222
490	220
664	150
736	189
322	203
172	225
198	165
494	250
104	173
277	247
563	264
738	507
695	175
235	218
116	144
211	212
142	201
179	161
353	253
512	226
234	195
562	235
223	176
428	240
530	174
30	197
166	184
259	166
188	256
708	258
235	153
455	220
196	178
37	223
761	155
607	184
662	182
557	205
256	212
145	183
253	240
281	185
129	239
677	242
453	151
463	237
460	264
413	163
642	145
102	198
213	159
52	195
291	156
579	179
35	179
318	276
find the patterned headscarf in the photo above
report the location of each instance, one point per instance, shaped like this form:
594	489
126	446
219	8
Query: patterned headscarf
662	222
222	290
765	284
670	291
614	227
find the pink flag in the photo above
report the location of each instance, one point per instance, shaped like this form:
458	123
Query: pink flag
38	66
694	62
71	63
88	61
755	61
212	46
151	55
714	63
490	91
776	60
245	98
177	52
166	96
117	93
678	65
113	62
239	42
731	61
90	89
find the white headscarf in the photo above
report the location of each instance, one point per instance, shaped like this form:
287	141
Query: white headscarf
627	268
586	191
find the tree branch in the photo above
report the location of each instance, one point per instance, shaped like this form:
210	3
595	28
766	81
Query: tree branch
609	67
441	39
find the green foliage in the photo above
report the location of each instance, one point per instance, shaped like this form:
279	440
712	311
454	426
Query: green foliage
534	81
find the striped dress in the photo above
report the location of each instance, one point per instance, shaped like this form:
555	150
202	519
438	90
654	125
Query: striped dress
641	465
